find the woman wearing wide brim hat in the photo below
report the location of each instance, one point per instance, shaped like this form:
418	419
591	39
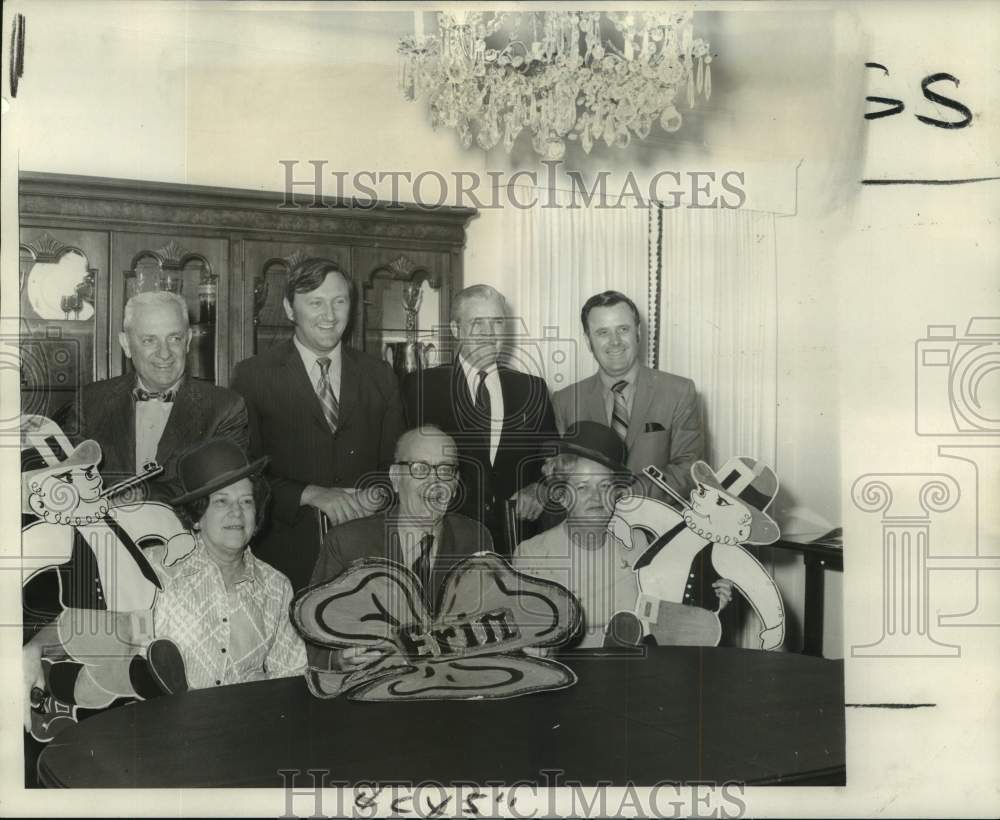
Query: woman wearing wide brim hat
585	477
226	609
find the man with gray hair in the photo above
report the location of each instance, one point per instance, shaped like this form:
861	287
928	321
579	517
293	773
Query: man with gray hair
155	412
497	416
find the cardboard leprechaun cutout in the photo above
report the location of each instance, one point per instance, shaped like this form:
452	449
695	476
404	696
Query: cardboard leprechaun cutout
691	549
88	585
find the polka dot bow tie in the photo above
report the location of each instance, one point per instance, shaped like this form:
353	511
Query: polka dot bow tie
139	394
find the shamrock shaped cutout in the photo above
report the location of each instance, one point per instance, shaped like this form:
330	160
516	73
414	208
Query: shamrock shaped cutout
470	649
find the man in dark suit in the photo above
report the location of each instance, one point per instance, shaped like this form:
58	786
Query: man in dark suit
327	416
498	417
416	532
656	414
157	412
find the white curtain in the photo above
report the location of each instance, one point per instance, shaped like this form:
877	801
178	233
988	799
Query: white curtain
718	323
705	284
558	258
717	277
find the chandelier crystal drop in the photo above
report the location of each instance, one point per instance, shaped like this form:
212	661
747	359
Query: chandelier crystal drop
562	75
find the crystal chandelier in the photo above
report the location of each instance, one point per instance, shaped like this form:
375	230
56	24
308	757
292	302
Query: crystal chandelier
563	75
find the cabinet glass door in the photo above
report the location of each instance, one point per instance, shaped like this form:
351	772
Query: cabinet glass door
62	285
405	306
194	268
266	266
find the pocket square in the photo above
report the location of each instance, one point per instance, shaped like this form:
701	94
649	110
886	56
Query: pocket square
654	427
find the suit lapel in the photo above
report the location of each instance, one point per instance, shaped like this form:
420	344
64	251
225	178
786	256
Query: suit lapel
474	429
299	385
183	423
461	400
449	553
350	384
640	405
594	408
119	455
514	416
393	551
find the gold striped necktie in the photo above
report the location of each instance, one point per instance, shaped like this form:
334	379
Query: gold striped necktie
619	413
331	408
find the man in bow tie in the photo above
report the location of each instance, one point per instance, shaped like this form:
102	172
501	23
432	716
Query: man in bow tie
499	417
157	411
655	413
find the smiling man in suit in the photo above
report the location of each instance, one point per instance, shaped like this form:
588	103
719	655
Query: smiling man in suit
655	413
326	414
157	412
498	417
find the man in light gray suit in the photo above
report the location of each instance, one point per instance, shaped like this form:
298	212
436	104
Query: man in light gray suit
655	413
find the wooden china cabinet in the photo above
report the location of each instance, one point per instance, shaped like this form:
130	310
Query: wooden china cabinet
87	244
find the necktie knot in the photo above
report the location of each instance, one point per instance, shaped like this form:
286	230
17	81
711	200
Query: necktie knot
141	394
619	387
324	365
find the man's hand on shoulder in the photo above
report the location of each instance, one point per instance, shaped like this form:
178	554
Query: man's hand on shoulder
528	505
340	505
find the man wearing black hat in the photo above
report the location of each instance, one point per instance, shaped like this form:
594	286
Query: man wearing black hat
586	477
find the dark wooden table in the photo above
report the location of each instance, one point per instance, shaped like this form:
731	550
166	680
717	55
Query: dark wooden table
677	714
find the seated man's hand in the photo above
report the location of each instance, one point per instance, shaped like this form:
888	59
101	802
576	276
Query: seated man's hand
338	504
723	591
358	657
527	504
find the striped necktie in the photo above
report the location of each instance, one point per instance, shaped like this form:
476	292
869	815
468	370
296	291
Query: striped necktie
422	566
331	408
619	413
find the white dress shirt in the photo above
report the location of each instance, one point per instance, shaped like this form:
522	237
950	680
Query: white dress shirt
309	359
496	399
150	421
